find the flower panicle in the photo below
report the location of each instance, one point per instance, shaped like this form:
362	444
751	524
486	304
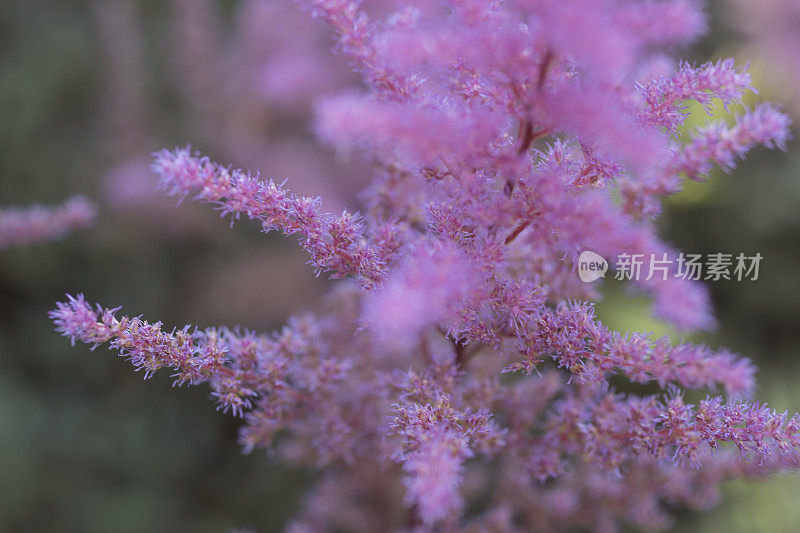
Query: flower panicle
337	245
24	226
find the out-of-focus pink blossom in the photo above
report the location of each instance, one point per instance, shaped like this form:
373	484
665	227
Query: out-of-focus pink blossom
426	286
25	226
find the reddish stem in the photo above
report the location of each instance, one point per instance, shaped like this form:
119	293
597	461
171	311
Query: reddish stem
519	229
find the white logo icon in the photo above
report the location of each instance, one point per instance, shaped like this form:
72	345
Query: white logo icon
591	266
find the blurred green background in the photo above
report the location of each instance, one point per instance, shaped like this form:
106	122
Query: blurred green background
87	445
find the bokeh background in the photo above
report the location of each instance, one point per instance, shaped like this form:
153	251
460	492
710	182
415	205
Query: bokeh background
89	89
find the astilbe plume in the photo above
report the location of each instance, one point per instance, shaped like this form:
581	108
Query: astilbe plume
25	226
463	362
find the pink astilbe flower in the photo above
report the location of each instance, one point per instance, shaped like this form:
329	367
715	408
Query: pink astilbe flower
239	365
336	244
507	138
355	39
25	226
664	98
415	135
578	341
607	38
432	281
433	453
434	470
720	145
716	145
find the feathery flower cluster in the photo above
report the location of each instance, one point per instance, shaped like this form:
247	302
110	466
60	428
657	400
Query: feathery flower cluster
664	97
435	442
239	364
24	226
578	341
336	244
461	366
